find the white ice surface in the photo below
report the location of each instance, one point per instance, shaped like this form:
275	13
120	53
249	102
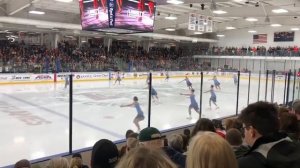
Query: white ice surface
34	118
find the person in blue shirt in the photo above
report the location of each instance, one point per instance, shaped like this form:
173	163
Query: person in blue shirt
194	104
188	82
216	82
67	81
153	94
140	114
213	97
235	79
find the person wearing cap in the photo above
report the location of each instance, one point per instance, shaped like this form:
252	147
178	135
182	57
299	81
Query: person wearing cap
151	137
105	154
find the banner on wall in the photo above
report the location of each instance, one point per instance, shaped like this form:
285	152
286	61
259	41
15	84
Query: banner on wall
284	36
192	21
260	38
201	23
209	24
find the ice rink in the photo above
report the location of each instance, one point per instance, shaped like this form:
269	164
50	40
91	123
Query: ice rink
35	117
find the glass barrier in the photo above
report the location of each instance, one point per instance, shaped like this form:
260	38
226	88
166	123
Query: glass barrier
217	87
34	119
107	104
279	88
177	100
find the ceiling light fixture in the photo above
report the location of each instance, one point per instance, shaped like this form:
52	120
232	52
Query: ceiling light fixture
198	33
171	17
251	19
175	2
276	25
170	29
230	28
219	12
280	11
220	35
65	1
295	29
36	12
202	6
252	31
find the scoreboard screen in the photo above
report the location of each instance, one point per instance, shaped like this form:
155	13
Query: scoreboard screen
135	15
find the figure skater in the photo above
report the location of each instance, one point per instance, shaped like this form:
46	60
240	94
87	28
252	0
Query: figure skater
213	97
103	4
188	82
140	113
216	82
151	5
193	105
235	79
153	94
67	81
120	5
118	78
167	76
96	8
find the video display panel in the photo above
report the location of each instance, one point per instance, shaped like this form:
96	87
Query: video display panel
284	36
94	14
137	15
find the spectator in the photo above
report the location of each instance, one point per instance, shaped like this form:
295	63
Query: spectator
219	127
132	142
105	154
186	138
23	164
209	150
124	148
78	158
75	162
235	139
59	162
144	157
175	142
269	148
296	109
233	123
203	124
289	125
150	137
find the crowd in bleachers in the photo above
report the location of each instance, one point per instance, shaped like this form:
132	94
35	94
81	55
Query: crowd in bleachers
94	56
248	51
264	135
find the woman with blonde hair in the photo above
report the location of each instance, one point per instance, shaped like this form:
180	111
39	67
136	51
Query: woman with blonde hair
143	157
210	150
75	162
58	162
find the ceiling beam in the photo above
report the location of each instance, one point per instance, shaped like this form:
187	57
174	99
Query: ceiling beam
15	6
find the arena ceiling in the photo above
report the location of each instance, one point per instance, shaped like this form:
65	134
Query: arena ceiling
64	16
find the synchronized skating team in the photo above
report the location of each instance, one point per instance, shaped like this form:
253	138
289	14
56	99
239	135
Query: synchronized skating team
193	103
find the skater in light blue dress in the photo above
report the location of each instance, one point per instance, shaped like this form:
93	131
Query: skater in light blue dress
193	105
